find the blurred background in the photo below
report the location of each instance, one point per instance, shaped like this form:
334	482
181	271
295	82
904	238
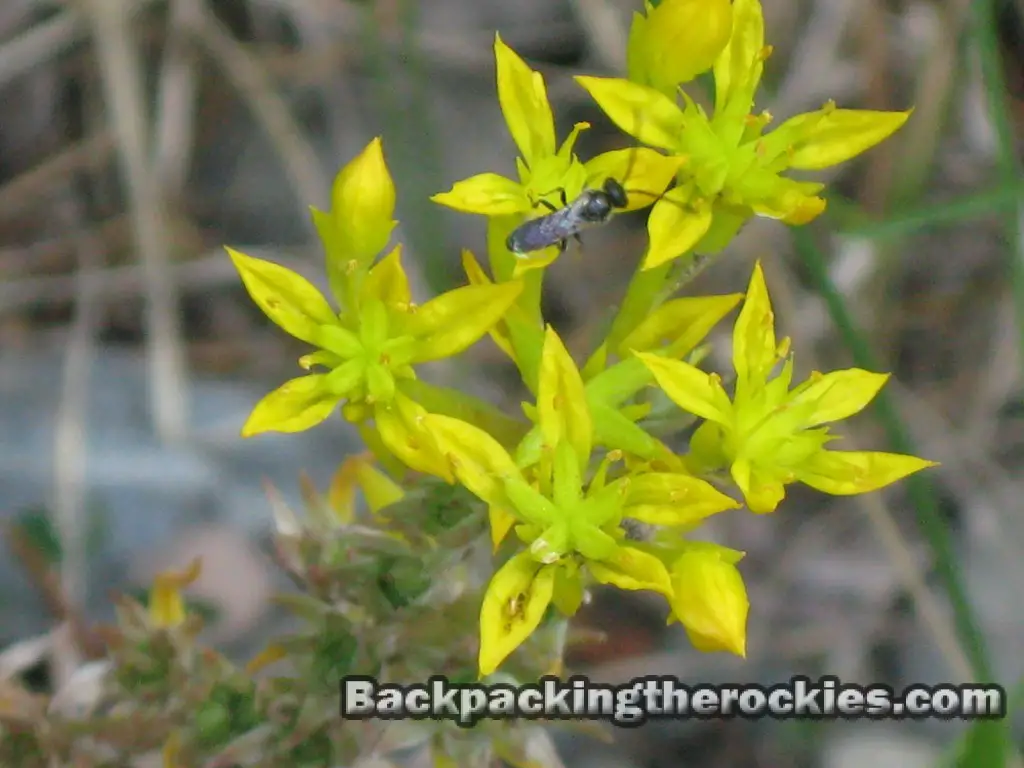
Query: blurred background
136	138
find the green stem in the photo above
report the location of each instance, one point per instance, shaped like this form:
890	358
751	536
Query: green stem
638	302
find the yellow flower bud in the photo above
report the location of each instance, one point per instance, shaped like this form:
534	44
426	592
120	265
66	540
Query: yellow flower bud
677	41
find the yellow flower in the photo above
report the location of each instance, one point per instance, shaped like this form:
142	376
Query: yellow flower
676	41
548	174
769	435
572	527
731	170
367	350
166	605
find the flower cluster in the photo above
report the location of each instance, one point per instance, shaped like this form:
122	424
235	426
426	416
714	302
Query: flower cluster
569	488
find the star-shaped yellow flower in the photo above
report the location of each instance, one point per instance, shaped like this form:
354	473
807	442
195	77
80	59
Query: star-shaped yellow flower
570	521
367	348
730	170
548	174
769	435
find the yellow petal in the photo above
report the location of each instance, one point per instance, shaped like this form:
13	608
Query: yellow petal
359	472
754	347
642	112
679	40
451	322
633	569
476	276
295	406
512	609
665	498
637	67
675	226
839	135
681	324
506	429
400	425
561	400
485	193
790	204
476	459
844	473
643	172
690	388
804	211
738	69
839	394
565	151
363	206
524	102
501	521
535	260
287	298
166	605
387	281
762	491
711	602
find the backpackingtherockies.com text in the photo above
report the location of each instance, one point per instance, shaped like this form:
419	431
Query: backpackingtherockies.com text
658	697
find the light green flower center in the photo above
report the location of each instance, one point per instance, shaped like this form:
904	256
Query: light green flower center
770	433
365	363
550	177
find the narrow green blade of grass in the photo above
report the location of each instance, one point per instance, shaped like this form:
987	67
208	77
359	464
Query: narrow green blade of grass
919	487
850	221
985	37
986	742
413	141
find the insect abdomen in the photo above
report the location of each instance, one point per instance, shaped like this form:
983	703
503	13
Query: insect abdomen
544	231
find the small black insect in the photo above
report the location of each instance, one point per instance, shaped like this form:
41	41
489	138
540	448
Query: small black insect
591	208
